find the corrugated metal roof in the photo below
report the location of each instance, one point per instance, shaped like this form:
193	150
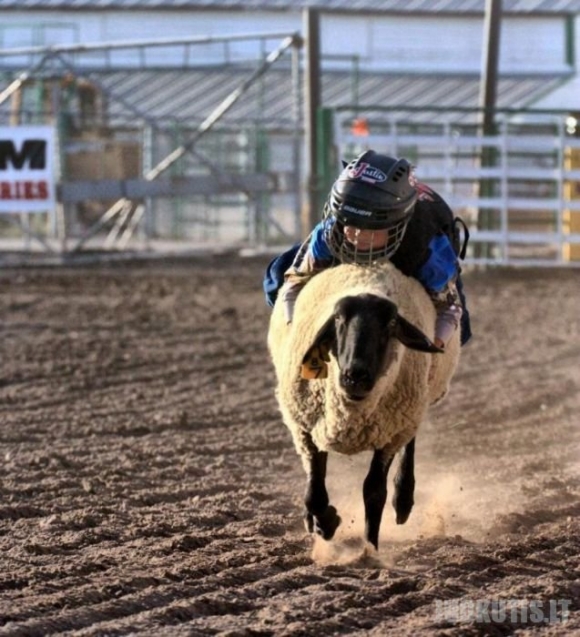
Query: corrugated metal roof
193	94
376	6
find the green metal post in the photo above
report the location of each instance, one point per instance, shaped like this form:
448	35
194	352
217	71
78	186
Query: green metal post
326	155
569	38
262	199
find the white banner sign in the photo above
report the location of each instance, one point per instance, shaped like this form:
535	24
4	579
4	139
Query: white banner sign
27	156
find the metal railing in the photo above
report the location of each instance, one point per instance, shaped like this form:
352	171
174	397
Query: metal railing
170	182
517	190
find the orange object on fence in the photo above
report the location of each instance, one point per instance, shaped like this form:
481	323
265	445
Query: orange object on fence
360	126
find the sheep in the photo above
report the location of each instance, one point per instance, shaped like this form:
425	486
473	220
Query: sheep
374	326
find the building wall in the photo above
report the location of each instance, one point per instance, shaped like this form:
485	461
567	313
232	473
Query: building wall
568	95
395	43
453	44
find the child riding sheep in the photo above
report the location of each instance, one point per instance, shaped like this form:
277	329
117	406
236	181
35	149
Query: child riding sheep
377	210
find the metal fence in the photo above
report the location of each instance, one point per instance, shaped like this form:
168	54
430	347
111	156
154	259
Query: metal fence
518	190
134	168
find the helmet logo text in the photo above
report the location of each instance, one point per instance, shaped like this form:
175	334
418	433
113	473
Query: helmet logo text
366	172
357	211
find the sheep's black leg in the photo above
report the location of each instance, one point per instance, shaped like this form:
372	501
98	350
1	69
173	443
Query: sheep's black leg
405	484
375	494
320	517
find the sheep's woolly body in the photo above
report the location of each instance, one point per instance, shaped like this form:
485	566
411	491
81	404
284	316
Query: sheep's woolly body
399	401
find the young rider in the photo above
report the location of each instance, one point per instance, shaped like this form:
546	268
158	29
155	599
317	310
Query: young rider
376	210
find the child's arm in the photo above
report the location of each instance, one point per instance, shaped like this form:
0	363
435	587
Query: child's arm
438	276
449	311
312	257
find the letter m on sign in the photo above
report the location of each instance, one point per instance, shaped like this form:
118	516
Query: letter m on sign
33	151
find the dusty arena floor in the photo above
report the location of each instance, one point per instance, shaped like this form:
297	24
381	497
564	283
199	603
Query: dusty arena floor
148	486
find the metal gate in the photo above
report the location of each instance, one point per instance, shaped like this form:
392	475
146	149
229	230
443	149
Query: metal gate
518	190
137	161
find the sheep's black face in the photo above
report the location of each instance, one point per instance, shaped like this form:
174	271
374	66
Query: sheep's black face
362	334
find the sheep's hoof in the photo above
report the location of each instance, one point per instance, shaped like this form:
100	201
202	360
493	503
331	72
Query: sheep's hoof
403	504
401	518
324	525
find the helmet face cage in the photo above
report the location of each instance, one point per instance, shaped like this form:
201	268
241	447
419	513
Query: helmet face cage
348	251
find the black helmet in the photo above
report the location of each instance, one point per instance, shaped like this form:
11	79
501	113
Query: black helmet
373	192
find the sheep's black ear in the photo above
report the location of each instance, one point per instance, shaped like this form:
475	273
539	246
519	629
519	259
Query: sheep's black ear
413	338
324	340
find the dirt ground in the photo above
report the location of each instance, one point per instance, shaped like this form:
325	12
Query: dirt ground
148	486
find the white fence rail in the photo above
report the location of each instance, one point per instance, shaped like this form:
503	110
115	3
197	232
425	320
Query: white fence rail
518	191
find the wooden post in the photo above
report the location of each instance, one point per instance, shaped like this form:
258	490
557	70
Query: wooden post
490	64
310	212
487	104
